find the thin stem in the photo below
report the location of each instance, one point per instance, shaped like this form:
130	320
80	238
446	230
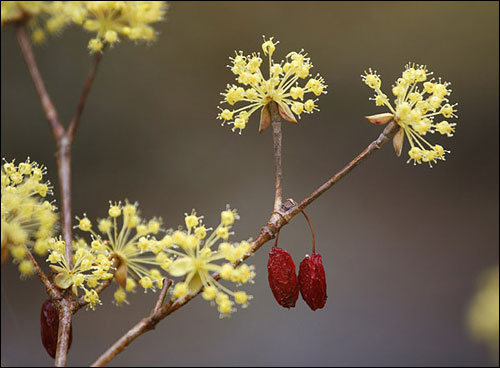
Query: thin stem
83	97
51	289
63	156
312	231
277	143
115	349
386	135
145	324
29	58
278	219
65	313
161	298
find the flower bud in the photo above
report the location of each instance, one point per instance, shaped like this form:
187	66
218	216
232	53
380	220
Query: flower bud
282	277
49	322
312	281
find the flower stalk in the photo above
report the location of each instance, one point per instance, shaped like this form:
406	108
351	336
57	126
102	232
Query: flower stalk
277	143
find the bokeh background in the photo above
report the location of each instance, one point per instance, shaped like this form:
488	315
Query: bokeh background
403	246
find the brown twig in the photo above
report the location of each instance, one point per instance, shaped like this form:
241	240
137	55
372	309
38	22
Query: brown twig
51	289
66	309
29	57
148	323
277	143
386	135
64	146
161	298
278	219
63	157
84	95
64	139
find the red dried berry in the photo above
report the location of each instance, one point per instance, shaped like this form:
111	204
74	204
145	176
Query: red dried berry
312	281
282	277
49	320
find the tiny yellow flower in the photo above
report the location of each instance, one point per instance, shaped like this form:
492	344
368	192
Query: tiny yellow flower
120	296
418	102
26	268
92	298
282	87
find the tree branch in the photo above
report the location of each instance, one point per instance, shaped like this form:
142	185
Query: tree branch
63	157
277	143
161	298
278	219
51	289
386	135
29	58
65	311
83	97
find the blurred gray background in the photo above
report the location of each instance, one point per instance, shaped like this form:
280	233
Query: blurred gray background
402	245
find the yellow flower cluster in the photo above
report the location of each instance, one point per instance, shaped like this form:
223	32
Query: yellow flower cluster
91	265
28	220
136	248
16	11
418	102
281	87
110	20
483	314
133	245
195	259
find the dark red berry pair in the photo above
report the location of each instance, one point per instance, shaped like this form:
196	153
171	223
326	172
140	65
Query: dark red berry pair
284	282
49	322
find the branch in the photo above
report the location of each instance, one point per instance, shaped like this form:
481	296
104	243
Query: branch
161	298
278	219
65	311
51	289
29	58
144	325
384	137
63	157
277	143
64	146
83	97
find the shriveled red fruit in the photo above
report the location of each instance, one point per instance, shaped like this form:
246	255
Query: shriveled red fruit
49	320
312	281
282	277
